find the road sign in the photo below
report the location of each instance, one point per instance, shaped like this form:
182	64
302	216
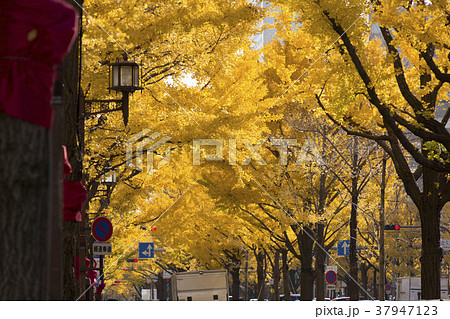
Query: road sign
102	248
388	287
330	277
146	250
334	268
102	229
331	287
445	244
343	248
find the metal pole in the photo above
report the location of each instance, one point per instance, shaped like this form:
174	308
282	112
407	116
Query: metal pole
101	268
382	262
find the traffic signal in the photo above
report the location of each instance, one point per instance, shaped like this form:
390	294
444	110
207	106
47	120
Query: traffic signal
117	281
392	227
132	260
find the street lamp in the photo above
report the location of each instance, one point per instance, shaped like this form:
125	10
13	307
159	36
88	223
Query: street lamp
124	78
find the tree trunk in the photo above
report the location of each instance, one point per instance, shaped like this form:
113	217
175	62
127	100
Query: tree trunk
25	209
320	235
376	288
431	251
320	263
235	286
364	277
276	276
285	272
261	276
246	277
306	254
72	289
353	257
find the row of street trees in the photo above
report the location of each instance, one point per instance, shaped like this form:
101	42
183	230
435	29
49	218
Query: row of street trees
349	95
324	130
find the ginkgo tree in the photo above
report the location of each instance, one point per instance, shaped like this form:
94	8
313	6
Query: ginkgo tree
379	70
210	42
210	209
205	40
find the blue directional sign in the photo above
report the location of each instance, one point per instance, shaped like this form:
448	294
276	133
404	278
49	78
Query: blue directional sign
343	248
146	250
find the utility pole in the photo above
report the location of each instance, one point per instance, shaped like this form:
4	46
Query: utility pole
382	261
246	276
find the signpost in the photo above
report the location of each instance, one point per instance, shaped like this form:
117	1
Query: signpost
343	248
330	277
102	248
146	250
334	268
102	229
331	288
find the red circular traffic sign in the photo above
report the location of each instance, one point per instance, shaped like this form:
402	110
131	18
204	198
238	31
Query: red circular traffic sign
331	277
388	287
102	229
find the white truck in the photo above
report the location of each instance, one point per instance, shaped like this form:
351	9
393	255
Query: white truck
201	285
408	288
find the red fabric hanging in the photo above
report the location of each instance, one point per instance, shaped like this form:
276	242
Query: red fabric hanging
34	36
91	274
75	195
99	289
67	166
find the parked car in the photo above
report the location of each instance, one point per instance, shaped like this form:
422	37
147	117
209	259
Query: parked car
254	299
341	299
326	299
293	297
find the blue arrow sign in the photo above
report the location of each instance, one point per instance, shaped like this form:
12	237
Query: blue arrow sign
146	250
343	248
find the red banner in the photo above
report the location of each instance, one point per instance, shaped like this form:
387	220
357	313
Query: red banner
34	36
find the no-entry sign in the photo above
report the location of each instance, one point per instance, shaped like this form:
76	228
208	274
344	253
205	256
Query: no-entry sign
330	277
102	229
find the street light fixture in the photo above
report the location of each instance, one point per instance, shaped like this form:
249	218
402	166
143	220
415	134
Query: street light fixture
123	77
